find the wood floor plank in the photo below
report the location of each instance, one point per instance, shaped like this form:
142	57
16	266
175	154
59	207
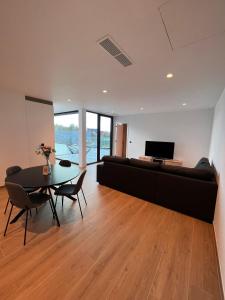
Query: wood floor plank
172	277
196	293
204	272
98	280
86	243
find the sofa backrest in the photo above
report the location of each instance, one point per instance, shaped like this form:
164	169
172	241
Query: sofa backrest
116	159
203	170
203	174
144	164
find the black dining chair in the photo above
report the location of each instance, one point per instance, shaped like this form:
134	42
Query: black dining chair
21	199
13	170
70	190
65	163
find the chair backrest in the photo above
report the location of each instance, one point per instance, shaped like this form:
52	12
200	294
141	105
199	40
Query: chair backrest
80	180
12	170
65	163
18	196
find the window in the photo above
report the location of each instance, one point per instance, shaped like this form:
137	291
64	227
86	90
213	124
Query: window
98	136
66	136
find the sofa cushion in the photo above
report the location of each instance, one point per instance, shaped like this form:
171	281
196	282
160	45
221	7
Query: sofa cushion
203	174
115	159
144	164
203	163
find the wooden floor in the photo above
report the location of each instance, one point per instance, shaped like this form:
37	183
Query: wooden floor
124	248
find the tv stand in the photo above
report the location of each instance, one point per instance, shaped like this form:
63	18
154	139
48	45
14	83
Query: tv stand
171	162
158	160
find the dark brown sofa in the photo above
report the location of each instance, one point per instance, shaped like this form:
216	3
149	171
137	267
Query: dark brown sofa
191	191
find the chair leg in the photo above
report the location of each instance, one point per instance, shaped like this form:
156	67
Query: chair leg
79	206
7	204
6	227
62	200
30	213
56	200
25	231
84	196
36	211
50	203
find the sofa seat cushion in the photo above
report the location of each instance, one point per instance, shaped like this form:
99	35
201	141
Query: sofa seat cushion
144	164
203	174
115	159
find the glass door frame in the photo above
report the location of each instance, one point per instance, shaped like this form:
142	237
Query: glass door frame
99	115
67	113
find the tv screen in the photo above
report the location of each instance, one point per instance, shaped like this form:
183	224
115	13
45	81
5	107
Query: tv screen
159	149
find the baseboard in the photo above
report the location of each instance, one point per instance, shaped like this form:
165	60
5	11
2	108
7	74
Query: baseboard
218	267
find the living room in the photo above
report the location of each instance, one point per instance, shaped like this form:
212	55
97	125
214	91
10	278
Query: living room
89	209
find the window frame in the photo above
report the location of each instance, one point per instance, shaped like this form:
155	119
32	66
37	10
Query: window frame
67	113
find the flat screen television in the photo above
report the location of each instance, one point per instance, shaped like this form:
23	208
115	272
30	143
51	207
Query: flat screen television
159	149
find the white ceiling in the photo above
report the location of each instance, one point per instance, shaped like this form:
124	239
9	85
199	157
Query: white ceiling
49	49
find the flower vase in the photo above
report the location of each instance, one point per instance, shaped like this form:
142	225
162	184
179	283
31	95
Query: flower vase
48	164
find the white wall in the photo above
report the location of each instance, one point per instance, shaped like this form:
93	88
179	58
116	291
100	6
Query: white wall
40	129
13	137
190	130
20	133
217	156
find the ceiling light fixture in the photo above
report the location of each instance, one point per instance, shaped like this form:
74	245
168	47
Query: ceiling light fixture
69	100
104	91
141	108
184	104
169	75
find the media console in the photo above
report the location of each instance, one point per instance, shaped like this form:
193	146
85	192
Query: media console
171	162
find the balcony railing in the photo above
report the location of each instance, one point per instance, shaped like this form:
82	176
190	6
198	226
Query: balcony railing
72	152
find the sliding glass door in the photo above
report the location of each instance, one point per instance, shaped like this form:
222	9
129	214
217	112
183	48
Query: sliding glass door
105	135
66	136
98	136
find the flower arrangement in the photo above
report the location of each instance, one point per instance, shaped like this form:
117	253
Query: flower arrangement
45	150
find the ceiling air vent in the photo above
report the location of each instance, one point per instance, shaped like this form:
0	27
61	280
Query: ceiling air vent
109	45
123	60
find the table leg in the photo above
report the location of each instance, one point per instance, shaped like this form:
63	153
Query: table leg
53	206
18	216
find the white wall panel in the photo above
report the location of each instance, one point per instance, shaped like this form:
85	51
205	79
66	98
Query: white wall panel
217	156
190	130
40	129
23	125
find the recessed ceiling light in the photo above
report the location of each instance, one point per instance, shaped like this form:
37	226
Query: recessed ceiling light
69	100
184	104
141	108
169	75
104	91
